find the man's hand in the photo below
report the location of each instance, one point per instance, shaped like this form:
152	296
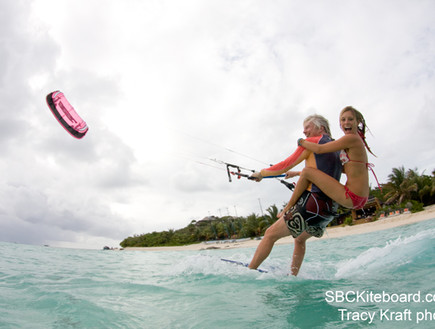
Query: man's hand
256	176
290	174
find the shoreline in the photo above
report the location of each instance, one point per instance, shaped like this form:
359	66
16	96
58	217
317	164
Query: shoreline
331	233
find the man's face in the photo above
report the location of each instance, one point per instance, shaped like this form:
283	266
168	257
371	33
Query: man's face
310	130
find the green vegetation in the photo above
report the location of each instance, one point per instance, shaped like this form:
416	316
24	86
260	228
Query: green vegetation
404	189
210	228
407	189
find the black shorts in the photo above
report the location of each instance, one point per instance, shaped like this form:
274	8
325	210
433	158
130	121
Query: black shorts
312	213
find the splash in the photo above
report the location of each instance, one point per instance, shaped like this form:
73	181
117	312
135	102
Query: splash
206	264
394	256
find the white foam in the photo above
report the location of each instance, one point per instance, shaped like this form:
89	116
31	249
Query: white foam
394	254
213	265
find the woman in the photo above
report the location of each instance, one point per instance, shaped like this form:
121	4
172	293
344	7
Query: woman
355	192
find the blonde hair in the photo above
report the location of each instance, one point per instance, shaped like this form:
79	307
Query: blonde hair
361	124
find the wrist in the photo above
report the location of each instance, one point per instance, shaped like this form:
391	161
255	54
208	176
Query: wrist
300	141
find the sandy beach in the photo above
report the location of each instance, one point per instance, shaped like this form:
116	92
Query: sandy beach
333	232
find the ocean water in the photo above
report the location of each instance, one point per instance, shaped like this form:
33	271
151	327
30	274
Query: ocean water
377	280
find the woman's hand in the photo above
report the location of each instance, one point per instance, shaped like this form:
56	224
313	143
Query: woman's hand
284	211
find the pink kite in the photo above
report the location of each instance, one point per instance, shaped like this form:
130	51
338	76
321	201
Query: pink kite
66	115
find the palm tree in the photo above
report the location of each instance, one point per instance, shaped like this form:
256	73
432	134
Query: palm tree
250	228
273	213
400	185
268	219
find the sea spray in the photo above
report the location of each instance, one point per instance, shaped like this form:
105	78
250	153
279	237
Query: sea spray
394	254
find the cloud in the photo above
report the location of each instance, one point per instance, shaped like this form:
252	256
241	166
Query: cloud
36	216
165	86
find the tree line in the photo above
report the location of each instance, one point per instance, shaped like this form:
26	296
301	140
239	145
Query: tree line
404	189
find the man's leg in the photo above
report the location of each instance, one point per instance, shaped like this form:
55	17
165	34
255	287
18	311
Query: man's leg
275	232
299	252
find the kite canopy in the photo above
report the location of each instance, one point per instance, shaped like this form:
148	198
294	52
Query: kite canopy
66	115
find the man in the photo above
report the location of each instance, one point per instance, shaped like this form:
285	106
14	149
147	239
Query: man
314	210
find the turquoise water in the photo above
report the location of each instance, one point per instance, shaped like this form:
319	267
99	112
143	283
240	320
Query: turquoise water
44	287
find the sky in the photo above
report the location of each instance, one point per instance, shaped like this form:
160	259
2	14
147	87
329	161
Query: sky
167	85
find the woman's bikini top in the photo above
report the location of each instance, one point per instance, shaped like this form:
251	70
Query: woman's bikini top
344	158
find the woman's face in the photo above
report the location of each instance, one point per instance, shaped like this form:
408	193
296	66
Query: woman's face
348	123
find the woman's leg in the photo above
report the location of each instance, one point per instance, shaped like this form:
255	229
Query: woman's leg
327	184
300	187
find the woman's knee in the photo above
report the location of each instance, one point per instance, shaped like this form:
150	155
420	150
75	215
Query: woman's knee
307	172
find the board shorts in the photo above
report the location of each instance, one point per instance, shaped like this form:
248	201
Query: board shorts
312	213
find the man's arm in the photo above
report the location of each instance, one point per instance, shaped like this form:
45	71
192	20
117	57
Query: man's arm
293	160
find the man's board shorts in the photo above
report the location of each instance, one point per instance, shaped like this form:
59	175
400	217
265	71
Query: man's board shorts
312	213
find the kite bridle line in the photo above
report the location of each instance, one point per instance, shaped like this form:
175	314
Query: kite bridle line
229	165
239	173
215	144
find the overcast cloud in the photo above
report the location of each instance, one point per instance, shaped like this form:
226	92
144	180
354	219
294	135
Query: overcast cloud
166	85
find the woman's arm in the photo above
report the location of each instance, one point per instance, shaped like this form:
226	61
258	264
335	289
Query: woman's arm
345	142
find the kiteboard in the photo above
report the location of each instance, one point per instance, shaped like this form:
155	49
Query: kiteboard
241	264
66	115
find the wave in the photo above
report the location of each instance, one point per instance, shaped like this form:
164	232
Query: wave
399	255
